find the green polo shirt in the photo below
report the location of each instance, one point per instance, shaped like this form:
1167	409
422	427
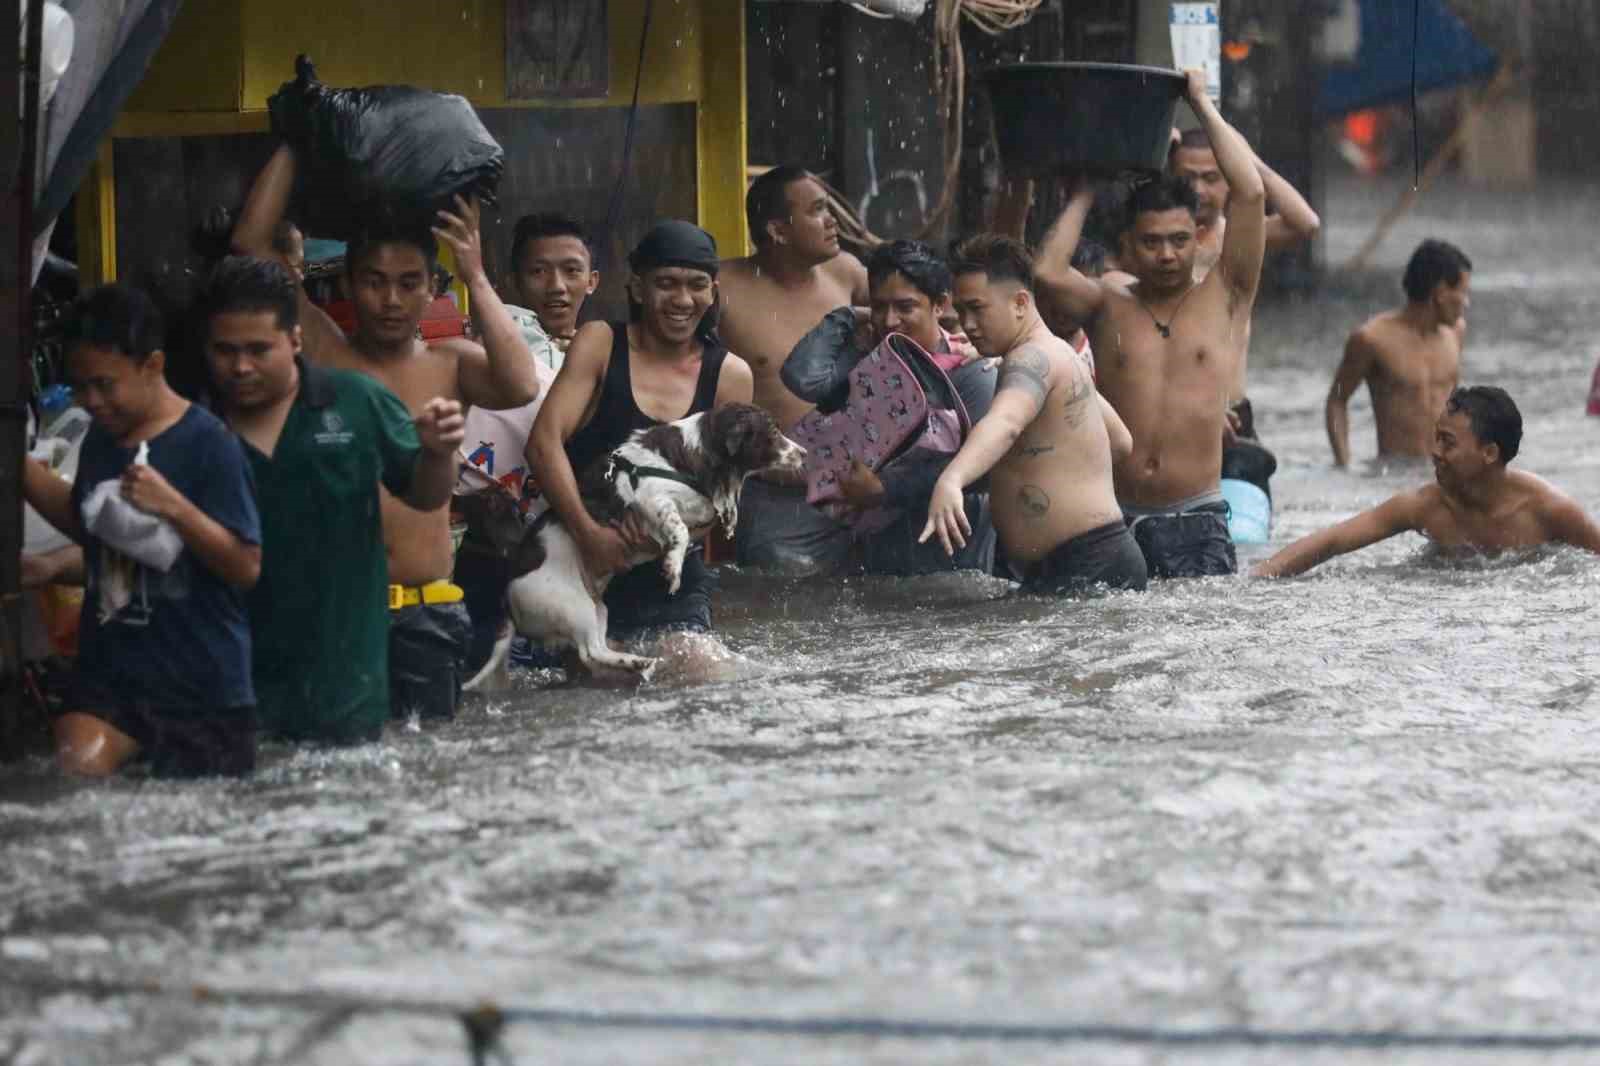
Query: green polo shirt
319	616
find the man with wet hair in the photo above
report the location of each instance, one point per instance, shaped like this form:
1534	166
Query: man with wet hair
1475	502
320	442
1166	347
909	292
389	267
1409	357
769	301
1294	222
665	364
1047	443
553	274
163	666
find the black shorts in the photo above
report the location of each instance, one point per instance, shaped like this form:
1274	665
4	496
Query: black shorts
639	608
174	741
1104	557
428	646
1195	543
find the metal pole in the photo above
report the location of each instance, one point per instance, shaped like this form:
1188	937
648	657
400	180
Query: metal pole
19	158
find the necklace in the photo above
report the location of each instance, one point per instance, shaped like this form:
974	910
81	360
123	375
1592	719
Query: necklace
1166	329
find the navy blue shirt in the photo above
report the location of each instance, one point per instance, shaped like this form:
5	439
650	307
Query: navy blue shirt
178	640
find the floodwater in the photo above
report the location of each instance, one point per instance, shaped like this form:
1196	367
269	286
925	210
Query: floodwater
1363	799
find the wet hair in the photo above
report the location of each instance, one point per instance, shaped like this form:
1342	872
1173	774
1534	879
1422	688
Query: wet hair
536	227
1002	258
1089	258
1159	194
245	283
919	263
1493	415
364	243
1195	138
116	316
768	200
1433	261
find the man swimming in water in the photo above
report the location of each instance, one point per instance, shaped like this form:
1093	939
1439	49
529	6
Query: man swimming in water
1410	357
1166	348
1475	502
1049	440
769	301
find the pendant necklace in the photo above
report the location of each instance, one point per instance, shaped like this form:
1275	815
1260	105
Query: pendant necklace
1166	330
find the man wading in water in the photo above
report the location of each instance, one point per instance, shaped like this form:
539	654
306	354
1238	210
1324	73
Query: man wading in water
1475	502
1410	357
769	301
666	364
1193	160
391	286
1048	437
1166	348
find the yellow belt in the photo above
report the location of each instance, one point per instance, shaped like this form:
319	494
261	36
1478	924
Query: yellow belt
433	592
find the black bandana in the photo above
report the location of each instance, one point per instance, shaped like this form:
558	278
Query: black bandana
675	243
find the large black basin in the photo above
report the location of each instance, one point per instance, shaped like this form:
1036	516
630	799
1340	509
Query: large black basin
1100	117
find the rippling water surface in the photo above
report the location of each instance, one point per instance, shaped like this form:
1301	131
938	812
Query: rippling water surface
1361	799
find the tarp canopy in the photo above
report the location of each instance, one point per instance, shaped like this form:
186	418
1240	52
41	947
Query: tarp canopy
1446	54
113	47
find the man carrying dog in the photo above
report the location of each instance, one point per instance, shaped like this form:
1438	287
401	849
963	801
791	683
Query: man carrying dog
665	364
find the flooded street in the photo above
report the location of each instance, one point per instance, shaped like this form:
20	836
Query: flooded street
1358	800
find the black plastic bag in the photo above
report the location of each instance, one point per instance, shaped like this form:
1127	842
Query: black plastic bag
388	153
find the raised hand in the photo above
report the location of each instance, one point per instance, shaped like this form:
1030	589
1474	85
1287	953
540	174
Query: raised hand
441	426
460	232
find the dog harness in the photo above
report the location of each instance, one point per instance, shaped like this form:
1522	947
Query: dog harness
618	464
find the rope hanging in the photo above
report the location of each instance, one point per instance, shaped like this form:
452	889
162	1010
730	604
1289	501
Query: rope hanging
992	17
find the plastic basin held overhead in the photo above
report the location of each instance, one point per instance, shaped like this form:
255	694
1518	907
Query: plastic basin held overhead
1101	117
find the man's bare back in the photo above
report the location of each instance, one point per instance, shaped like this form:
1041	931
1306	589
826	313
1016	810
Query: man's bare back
1171	391
763	319
1056	480
1408	371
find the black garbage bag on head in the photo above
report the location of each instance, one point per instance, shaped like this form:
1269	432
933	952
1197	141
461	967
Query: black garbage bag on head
389	153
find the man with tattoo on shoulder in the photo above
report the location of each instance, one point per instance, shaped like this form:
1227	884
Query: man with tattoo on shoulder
1049	440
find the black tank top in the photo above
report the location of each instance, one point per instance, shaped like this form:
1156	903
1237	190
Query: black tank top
616	416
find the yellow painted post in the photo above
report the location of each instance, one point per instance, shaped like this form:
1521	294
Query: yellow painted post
97	221
721	121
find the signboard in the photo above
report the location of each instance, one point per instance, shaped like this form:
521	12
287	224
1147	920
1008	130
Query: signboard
1197	43
557	49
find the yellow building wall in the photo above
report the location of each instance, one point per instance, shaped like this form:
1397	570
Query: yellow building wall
224	58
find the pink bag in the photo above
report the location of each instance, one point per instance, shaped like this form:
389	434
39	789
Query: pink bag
889	416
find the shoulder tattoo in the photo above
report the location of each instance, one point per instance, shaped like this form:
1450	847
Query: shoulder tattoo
1027	370
1080	395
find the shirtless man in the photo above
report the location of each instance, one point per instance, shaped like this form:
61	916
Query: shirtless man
769	301
1474	504
1410	357
1166	348
1194	160
390	277
1045	438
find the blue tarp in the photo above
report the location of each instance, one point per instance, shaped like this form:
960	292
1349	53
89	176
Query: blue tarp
1446	54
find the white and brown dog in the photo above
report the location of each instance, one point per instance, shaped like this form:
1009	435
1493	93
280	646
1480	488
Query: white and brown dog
679	478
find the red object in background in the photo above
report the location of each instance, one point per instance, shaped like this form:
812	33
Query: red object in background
1594	392
441	319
